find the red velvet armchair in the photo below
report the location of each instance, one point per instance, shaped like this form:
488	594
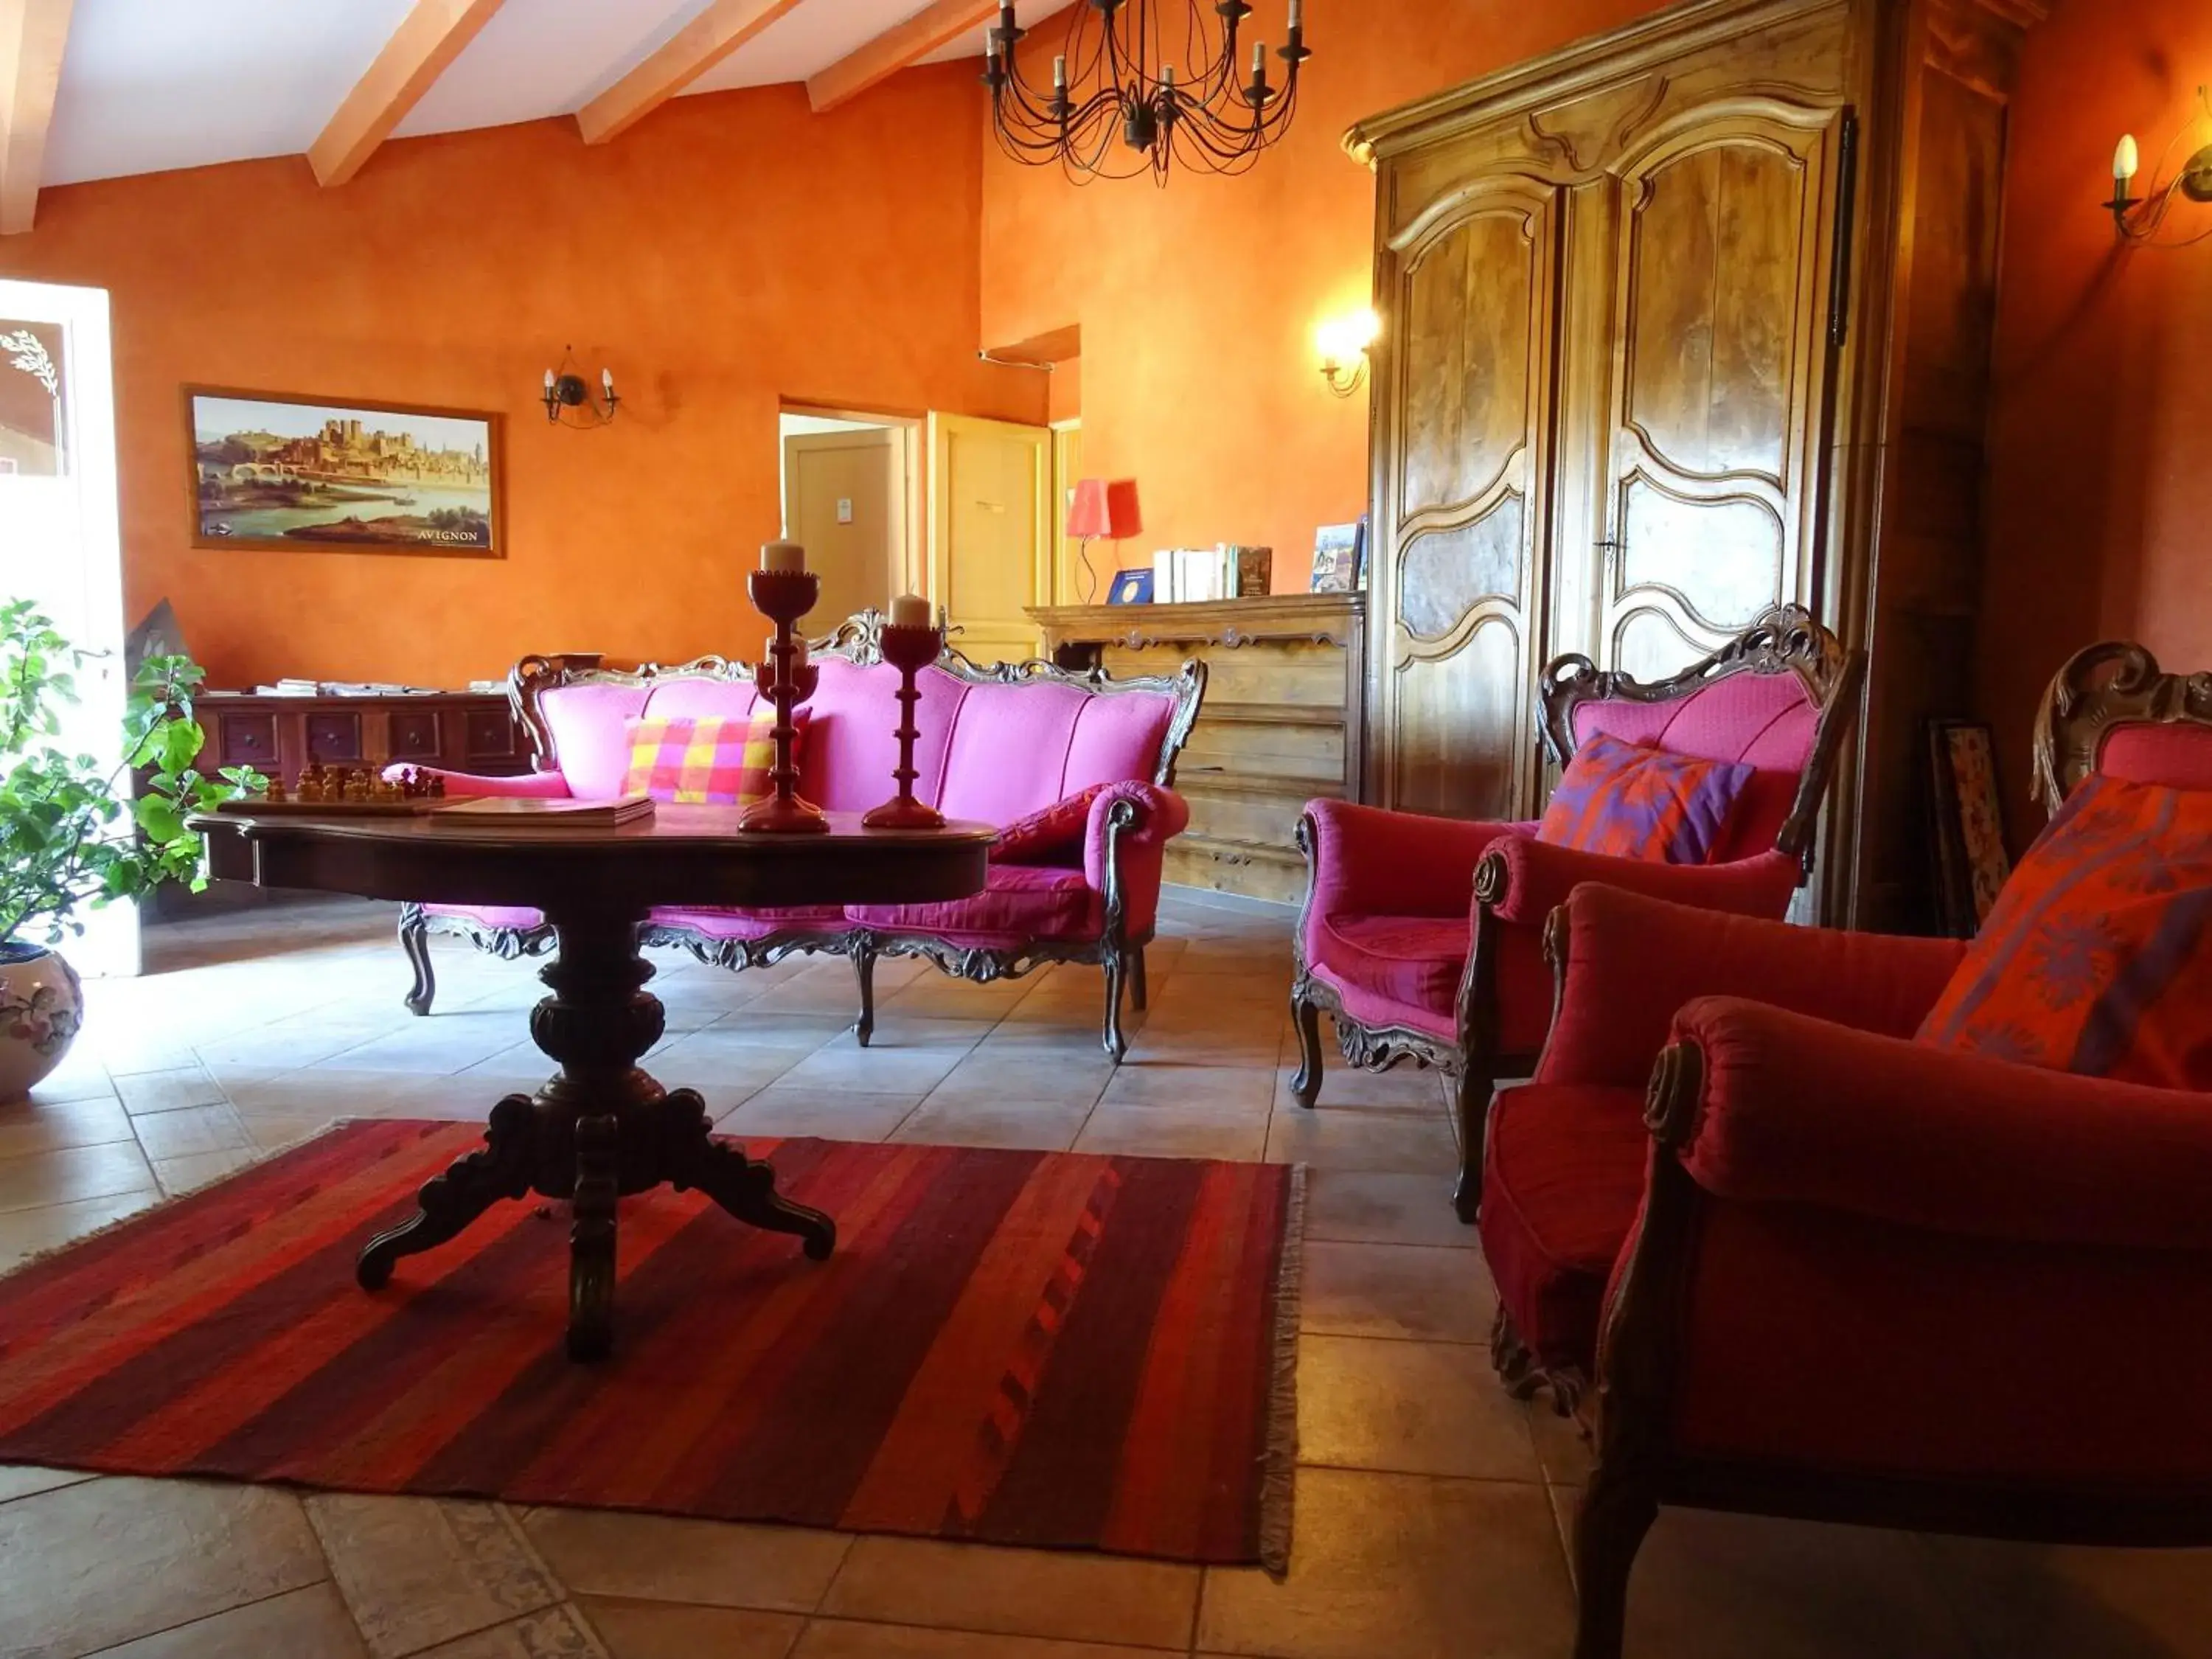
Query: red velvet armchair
1823	1271
1421	937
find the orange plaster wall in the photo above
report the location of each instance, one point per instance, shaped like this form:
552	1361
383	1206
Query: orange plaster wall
2100	485
1198	302
733	251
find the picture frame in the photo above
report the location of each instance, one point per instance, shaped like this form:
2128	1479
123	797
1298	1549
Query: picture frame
1130	588
1340	557
1972	862
286	472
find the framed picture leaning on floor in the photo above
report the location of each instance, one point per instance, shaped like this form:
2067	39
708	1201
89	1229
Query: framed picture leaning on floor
1970	859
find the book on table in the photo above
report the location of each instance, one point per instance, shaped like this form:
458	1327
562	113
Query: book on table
539	811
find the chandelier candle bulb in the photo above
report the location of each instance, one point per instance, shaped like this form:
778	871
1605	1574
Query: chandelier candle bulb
1059	72
1297	15
909	611
788	557
2127	160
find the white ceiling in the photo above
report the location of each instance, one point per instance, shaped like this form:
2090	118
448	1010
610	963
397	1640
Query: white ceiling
149	85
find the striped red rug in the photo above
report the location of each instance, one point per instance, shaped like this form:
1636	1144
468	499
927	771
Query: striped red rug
1042	1348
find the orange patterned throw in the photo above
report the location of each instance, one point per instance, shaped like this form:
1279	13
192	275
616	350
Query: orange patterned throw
711	761
1043	1349
2098	957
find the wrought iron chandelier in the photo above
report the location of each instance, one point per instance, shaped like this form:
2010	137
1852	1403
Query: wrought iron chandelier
1144	86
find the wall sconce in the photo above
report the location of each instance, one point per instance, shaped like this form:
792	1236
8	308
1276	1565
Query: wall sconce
1345	342
565	389
2139	219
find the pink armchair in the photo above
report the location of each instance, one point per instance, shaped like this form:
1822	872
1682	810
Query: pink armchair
994	745
1821	1270
1422	937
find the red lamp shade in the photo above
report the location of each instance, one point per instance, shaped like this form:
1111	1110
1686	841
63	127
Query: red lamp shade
1105	507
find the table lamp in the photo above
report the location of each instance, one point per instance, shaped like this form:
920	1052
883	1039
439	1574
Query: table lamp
1102	506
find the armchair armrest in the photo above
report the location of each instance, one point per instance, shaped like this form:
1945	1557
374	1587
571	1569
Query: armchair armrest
1632	962
1124	843
1367	862
544	785
1791	1109
1523	880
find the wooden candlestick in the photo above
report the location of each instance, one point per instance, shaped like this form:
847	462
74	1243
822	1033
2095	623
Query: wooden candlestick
783	597
909	650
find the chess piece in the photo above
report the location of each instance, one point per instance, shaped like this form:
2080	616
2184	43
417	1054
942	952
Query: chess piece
437	787
312	784
275	793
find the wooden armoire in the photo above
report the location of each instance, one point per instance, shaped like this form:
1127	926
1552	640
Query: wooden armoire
1682	322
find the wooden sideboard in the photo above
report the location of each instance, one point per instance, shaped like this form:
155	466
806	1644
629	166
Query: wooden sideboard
464	731
1283	722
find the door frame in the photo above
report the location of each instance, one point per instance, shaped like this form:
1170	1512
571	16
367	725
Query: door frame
942	427
913	571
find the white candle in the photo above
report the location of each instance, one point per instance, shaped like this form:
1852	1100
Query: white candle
607	381
2127	160
1259	60
788	556
909	611
797	652
548	380
1060	71
1298	12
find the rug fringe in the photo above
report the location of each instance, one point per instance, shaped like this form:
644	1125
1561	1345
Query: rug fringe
1278	1481
166	1201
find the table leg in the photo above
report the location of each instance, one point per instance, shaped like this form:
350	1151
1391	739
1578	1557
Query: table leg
598	1129
450	1201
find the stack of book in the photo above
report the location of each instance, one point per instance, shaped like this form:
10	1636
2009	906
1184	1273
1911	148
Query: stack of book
1187	575
542	812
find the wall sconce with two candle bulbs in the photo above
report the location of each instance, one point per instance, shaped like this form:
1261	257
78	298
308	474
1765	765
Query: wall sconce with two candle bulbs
2140	218
1345	343
565	391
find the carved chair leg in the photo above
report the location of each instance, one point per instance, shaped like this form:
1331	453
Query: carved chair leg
1117	1045
1471	1100
1305	1087
415	940
1617	1511
864	969
1140	995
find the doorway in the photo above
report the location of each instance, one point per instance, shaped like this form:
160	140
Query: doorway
59	541
849	498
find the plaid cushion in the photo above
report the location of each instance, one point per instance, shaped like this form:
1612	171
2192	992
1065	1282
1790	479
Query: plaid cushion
716	760
2097	958
1046	836
1628	800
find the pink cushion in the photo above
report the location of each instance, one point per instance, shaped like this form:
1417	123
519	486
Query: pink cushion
1038	900
1077	737
1050	836
854	747
1416	960
718	923
491	916
2179	756
1762	721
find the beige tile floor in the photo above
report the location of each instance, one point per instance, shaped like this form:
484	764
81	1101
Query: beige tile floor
1429	1506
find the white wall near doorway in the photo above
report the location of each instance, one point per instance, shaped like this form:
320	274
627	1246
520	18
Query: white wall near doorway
59	539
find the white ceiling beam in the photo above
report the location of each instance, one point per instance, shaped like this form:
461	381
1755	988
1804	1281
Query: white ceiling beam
432	35
939	24
696	47
33	35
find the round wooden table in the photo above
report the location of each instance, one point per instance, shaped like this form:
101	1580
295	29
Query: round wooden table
600	1128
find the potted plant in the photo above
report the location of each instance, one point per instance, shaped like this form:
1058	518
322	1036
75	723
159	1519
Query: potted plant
74	835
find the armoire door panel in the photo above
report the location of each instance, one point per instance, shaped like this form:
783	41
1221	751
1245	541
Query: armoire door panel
1452	755
1445	573
1738	544
1721	244
1469	295
1460	522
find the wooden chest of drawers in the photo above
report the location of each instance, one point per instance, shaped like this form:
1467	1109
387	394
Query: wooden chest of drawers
1281	725
462	730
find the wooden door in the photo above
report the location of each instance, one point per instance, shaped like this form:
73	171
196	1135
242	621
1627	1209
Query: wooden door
1071	583
990	531
1721	234
1461	513
844	501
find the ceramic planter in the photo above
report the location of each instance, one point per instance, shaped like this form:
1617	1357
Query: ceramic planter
41	1006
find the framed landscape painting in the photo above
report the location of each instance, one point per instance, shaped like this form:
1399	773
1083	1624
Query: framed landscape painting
314	475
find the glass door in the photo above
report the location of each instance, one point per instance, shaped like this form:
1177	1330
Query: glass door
59	542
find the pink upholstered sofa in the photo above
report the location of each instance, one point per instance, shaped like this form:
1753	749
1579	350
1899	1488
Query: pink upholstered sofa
995	744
